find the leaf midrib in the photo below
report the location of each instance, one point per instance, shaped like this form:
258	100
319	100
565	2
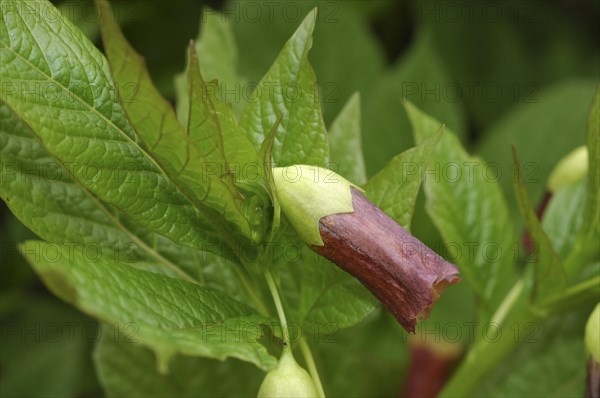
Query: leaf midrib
303	59
103	208
183	192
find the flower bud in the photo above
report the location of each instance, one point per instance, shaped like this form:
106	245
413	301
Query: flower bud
337	221
592	346
288	379
570	169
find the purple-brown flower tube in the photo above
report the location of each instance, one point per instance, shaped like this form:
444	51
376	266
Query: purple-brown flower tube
404	274
337	221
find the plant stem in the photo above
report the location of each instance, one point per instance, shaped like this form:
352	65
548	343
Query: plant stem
487	353
279	307
508	302
573	292
312	368
310	362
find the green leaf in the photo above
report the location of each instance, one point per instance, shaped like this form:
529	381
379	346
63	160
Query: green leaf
550	276
217	55
345	143
515	68
266	163
395	188
126	369
290	88
216	48
82	124
56	207
563	217
548	362
560	113
582	291
41	192
592	205
169	315
488	350
585	248
467	207
419	76
342	36
347	55
194	161
212	127
368	365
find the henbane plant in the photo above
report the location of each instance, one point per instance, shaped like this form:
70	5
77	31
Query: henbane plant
172	220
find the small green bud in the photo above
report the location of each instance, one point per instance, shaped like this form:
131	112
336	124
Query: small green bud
592	334
288	379
570	169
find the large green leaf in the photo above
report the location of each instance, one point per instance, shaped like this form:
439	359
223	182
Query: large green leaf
342	37
549	361
290	89
41	193
563	217
345	142
233	159
562	374
550	276
56	80
592	205
468	209
168	315
585	248
217	55
195	161
126	369
395	188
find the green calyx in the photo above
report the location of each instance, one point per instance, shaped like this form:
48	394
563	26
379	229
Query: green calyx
308	193
570	169
592	334
288	379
